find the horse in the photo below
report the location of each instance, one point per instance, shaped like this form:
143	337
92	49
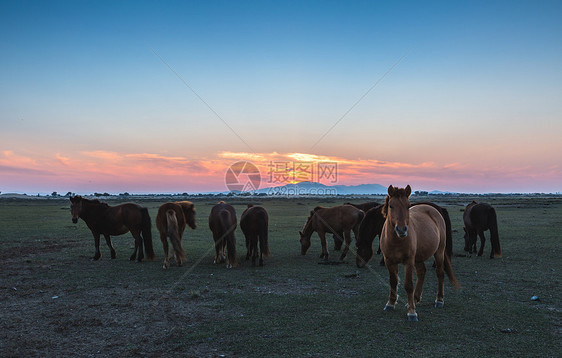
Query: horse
254	225
365	207
222	222
410	236
170	222
479	217
338	220
106	220
372	224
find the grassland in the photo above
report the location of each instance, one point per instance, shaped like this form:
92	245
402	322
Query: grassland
55	301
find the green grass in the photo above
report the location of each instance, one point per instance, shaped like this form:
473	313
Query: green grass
291	307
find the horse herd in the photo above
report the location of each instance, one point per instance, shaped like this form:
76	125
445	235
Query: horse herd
409	234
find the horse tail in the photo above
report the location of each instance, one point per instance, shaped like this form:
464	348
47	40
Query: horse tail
449	271
228	235
361	217
147	234
263	234
448	232
173	233
494	236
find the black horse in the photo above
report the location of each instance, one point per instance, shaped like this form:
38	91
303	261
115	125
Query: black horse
479	217
254	224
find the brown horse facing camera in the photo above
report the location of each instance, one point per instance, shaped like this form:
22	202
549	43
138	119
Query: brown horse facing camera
106	220
170	222
254	224
222	222
338	220
372	224
410	236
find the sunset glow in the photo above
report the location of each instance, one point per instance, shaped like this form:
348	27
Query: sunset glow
163	99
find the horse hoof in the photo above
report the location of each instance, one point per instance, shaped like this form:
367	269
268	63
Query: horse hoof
438	304
229	266
412	317
165	266
388	307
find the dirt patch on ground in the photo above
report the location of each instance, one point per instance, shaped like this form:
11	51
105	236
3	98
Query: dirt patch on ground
44	315
110	321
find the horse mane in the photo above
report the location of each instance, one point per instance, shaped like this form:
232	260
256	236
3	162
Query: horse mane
96	202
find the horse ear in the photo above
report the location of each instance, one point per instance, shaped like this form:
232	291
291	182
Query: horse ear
300	233
408	190
390	190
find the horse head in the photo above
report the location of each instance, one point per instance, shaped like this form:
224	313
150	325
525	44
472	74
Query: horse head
305	234
397	205
188	210
364	255
75	207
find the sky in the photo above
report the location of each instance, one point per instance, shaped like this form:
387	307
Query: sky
164	96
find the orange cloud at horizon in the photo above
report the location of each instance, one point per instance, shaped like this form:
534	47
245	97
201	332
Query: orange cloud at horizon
91	171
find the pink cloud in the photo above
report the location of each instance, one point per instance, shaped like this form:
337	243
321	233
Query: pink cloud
100	170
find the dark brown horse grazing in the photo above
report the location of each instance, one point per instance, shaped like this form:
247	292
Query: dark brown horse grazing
170	222
372	224
338	220
479	217
410	236
106	220
222	222
254	224
365	207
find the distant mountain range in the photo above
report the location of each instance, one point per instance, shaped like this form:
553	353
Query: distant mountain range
312	188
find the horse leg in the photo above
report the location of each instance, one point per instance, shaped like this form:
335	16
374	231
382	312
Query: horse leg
254	243
409	288
164	239
111	248
347	236
482	240
97	254
217	249
420	273
338	241
440	272
393	284
325	253
138	246
263	246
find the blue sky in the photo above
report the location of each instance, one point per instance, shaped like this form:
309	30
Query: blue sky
478	87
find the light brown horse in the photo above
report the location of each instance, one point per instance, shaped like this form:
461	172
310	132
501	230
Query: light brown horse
222	222
170	222
254	223
410	236
338	220
106	220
